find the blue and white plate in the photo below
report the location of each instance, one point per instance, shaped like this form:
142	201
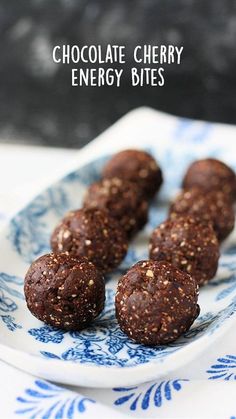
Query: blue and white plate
101	355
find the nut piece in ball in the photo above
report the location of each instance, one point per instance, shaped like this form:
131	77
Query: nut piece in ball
136	166
64	292
156	302
214	207
211	174
92	233
188	244
122	199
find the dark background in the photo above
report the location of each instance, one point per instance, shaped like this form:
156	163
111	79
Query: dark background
37	104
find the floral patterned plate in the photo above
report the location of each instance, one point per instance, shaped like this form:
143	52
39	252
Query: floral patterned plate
101	355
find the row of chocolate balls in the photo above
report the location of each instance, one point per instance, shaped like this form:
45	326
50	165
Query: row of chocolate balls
70	309
200	218
114	210
89	232
156	301
66	288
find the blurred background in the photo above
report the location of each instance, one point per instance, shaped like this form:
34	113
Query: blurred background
37	103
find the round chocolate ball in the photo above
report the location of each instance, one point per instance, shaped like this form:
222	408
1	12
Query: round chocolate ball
188	244
137	166
122	199
211	174
63	291
92	233
214	207
156	302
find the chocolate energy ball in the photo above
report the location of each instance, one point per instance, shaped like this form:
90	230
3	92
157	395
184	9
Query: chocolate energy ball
211	174
136	166
122	199
213	207
156	302
92	233
64	292
189	244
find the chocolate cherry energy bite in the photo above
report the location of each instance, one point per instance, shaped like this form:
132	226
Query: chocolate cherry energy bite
156	302
188	244
122	199
92	233
137	166
214	207
211	174
63	291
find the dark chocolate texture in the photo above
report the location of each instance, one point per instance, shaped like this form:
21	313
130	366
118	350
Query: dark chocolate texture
214	207
137	166
63	291
92	233
189	244
211	174
122	199
156	302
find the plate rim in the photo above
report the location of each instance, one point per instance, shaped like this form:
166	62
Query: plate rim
113	379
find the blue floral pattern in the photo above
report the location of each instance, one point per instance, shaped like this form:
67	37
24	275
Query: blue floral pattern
47	334
28	230
225	368
29	233
105	344
7	303
143	397
194	131
101	344
49	401
10	323
228	281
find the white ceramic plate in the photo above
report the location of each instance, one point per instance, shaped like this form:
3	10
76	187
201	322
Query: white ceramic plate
101	355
